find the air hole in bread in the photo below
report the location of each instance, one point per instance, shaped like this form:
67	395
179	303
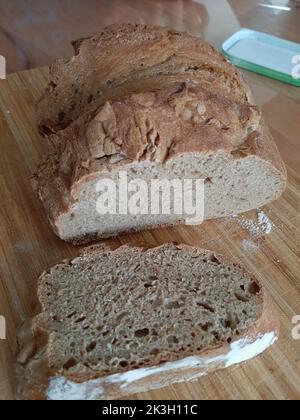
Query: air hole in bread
216	335
91	346
254	288
141	333
52	86
70	364
83	318
208	180
226	323
206	326
46	130
214	259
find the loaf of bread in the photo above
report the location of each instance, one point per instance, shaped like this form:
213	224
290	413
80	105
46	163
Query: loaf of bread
158	104
119	321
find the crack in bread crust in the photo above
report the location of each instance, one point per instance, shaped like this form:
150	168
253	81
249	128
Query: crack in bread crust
99	66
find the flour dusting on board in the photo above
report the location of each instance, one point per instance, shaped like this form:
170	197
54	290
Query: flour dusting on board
265	223
256	227
262	225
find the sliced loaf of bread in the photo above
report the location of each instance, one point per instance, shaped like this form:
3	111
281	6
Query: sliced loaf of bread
158	105
116	322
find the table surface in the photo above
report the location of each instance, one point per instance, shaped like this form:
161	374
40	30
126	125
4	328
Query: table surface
27	244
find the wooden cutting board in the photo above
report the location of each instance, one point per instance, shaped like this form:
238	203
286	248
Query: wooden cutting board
270	248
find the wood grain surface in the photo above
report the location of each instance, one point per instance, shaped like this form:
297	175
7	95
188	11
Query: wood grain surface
28	246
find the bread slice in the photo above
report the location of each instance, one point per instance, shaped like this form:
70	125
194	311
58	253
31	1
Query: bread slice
116	322
156	104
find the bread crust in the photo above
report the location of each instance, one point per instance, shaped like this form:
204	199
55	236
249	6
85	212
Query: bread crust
34	375
118	54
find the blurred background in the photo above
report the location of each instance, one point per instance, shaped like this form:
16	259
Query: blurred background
35	32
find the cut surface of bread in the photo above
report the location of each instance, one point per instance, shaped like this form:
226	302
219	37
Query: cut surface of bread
127	320
173	109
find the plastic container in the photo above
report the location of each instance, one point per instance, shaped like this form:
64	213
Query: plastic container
265	54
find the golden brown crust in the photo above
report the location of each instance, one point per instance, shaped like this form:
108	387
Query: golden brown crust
121	53
154	125
34	374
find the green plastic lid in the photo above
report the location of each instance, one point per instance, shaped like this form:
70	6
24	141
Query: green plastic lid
265	54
